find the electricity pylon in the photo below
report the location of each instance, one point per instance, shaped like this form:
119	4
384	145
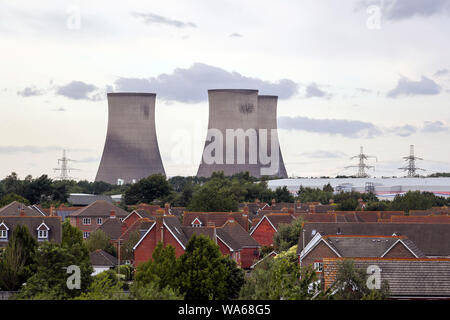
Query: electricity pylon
362	166
411	167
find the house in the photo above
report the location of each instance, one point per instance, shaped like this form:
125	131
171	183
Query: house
102	261
89	218
218	219
408	279
269	255
267	226
16	208
231	238
356	246
41	228
432	239
236	242
112	227
61	211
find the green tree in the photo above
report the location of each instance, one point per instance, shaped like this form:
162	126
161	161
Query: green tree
11	197
126	248
202	272
161	269
288	235
416	200
147	190
351	284
215	195
235	278
103	287
282	194
100	240
151	291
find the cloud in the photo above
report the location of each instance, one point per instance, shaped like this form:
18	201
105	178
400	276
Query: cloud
30	92
346	128
324	154
424	86
151	18
235	35
191	85
78	90
397	10
60	109
442	72
403	131
313	90
435	126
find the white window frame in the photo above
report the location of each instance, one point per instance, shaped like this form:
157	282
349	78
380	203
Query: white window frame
87	221
318	266
99	221
86	234
3	234
42	234
121	219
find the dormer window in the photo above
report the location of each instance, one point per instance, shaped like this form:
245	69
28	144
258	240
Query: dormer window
42	232
3	232
196	223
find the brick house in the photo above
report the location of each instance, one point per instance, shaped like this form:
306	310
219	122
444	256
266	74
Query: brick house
433	239
267	226
218	219
89	218
355	246
234	241
16	208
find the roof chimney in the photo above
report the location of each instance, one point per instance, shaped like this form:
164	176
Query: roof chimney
273	202
246	210
52	211
22	212
166	208
112	214
160	212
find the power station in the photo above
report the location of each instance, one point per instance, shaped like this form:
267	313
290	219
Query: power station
131	149
237	119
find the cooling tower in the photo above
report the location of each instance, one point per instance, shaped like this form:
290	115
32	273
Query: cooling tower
131	149
267	119
238	112
230	109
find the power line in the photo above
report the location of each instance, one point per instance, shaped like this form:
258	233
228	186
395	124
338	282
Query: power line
411	167
64	168
362	166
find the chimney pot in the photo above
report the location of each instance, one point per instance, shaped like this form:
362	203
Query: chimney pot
112	214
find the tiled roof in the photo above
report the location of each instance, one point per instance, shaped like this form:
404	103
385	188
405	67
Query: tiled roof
14	209
102	258
78	199
421	219
228	239
406	277
99	208
32	223
218	218
280	218
238	234
112	227
432	239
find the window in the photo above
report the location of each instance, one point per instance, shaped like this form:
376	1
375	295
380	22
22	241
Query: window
3	234
318	266
99	221
42	234
85	235
121	219
86	221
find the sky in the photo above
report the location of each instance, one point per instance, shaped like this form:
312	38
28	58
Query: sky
348	74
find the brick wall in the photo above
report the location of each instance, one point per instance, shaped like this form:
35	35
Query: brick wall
399	251
317	254
248	257
264	233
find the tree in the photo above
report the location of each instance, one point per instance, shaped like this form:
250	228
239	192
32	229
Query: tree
11	197
351	284
216	195
288	235
416	200
328	188
100	240
104	286
50	279
151	291
17	263
160	270
314	195
282	194
235	278
202	273
126	248
148	189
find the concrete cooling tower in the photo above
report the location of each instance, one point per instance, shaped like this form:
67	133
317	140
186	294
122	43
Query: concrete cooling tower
232	143
267	119
131	149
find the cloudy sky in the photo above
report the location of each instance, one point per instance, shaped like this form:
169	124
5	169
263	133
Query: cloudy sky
348	73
